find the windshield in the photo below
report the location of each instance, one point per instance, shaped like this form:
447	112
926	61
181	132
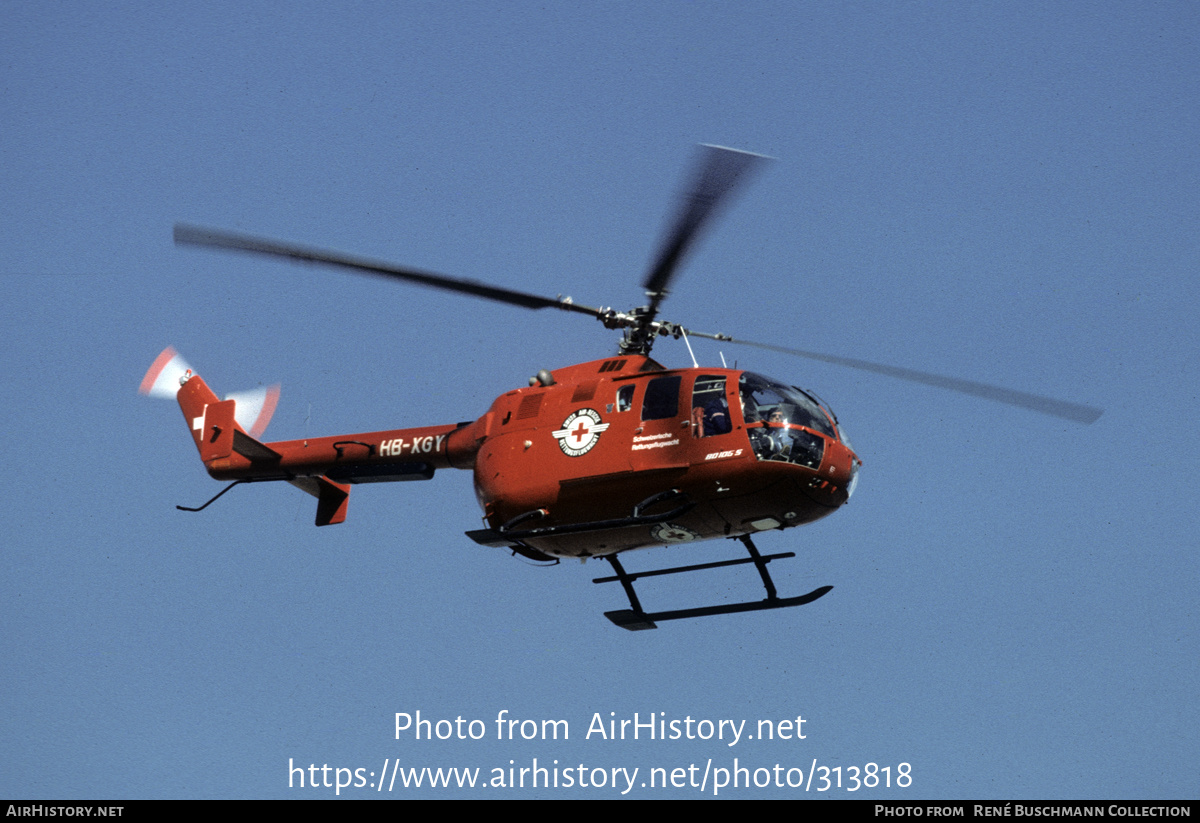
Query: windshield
768	401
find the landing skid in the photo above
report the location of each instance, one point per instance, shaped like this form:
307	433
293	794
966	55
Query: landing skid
636	619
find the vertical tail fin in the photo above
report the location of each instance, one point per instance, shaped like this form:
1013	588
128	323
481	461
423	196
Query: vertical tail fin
211	421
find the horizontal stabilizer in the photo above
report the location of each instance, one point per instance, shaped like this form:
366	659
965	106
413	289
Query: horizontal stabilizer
332	498
252	450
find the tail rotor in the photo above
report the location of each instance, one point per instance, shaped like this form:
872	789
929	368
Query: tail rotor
253	408
166	374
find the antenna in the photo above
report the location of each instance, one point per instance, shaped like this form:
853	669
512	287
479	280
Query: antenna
688	343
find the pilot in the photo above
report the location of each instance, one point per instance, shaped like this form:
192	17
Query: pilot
778	434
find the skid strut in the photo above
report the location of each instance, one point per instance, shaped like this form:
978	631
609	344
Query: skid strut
636	619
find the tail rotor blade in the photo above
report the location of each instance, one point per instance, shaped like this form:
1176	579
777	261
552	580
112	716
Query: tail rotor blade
163	377
253	409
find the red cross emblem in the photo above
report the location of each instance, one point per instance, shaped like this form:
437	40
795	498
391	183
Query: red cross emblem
580	432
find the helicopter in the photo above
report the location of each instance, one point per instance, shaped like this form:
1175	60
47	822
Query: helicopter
588	460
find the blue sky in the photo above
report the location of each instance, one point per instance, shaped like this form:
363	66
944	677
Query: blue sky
1005	192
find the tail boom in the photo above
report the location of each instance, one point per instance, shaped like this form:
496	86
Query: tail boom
325	467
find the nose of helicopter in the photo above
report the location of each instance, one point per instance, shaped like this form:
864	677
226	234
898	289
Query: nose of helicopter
839	470
854	465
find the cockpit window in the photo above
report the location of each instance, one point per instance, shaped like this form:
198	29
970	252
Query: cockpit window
790	444
765	400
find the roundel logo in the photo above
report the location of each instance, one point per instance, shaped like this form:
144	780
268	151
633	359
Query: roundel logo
580	432
670	533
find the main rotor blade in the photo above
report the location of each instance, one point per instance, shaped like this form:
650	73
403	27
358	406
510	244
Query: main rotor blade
717	174
1034	402
220	239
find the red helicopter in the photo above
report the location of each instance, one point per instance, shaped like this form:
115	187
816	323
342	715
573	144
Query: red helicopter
588	460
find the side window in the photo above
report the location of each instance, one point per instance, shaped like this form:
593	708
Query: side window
625	398
710	409
662	398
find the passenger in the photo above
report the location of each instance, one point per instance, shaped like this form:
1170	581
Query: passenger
716	417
